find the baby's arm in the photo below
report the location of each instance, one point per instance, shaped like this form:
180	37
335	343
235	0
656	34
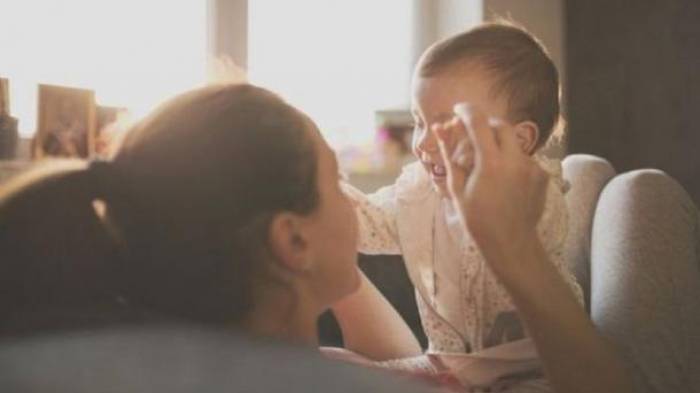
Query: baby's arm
553	230
372	327
376	215
369	323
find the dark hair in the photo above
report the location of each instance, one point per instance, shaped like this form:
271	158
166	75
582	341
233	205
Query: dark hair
189	196
54	254
519	64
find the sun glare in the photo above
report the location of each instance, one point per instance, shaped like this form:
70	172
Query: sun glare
339	61
132	53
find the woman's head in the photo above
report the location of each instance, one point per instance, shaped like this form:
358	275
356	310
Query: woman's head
223	195
221	175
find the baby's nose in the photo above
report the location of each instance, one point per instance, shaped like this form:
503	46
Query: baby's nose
427	142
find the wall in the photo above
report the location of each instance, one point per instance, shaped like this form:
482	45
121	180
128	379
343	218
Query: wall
438	19
634	85
227	33
454	16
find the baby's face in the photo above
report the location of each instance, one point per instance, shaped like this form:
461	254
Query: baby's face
433	100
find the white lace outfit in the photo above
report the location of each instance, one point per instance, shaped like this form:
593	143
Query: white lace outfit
463	308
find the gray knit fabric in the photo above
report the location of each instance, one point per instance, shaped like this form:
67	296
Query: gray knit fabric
174	359
632	245
587	176
645	279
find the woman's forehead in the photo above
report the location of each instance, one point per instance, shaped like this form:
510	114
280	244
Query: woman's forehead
326	155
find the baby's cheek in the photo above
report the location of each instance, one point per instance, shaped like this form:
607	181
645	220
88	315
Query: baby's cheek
414	143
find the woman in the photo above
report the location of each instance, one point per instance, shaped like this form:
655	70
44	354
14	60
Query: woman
224	208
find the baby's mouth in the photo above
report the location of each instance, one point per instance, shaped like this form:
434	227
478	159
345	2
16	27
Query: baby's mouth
437	170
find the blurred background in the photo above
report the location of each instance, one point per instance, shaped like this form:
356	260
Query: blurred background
629	69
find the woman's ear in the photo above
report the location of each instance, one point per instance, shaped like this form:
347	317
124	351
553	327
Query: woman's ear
289	242
527	133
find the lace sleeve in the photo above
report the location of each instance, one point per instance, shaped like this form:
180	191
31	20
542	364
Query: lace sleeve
553	228
417	364
376	215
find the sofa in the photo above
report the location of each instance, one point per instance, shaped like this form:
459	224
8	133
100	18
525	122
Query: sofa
634	247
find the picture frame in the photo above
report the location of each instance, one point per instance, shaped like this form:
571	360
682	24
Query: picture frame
4	97
66	124
8	124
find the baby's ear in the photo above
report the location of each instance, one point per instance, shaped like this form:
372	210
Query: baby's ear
527	133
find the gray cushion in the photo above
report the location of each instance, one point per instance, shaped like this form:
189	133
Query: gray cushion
587	176
645	279
178	359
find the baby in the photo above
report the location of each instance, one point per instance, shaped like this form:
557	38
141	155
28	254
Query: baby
471	323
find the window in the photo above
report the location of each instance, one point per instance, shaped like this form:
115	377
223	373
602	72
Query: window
339	61
133	53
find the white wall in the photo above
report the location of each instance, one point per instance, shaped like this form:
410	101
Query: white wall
438	19
455	16
227	30
425	26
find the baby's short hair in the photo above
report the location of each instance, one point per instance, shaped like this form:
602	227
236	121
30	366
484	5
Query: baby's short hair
520	65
